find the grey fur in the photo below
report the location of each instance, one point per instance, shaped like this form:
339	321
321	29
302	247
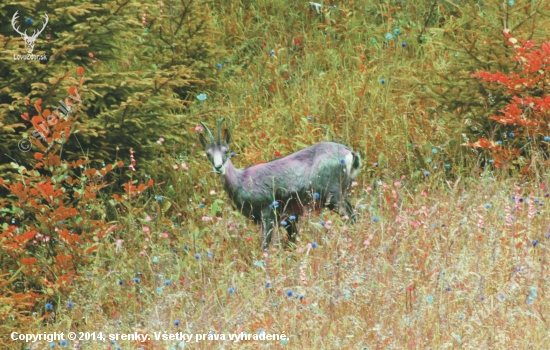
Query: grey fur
326	168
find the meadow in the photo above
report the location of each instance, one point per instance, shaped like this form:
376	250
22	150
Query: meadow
450	249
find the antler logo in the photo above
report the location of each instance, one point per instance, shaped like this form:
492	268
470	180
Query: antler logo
29	40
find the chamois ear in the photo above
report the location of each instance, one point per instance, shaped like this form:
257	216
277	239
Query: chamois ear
226	136
203	141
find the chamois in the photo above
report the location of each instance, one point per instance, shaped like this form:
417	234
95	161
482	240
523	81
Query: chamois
316	176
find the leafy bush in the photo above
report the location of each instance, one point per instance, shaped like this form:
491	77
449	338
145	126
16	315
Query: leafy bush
526	115
54	221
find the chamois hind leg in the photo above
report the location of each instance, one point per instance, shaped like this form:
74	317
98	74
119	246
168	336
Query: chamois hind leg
350	211
292	230
268	223
344	207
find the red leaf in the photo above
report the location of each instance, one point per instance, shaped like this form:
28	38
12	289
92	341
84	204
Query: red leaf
28	261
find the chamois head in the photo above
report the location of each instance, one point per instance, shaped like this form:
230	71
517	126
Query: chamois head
216	150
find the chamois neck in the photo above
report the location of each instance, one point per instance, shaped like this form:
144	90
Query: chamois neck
232	177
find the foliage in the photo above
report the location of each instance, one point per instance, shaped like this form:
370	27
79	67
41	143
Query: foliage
54	222
526	113
468	40
145	62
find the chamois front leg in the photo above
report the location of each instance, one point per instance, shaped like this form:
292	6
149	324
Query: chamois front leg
292	229
268	223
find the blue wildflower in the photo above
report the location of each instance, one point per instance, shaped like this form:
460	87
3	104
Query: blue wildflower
487	206
232	154
137	279
52	345
176	322
284	223
120	282
511	2
375	164
49	306
155	259
289	293
448	166
316	195
201	97
309	118
430	299
230	290
375	219
197	256
499	142
272	52
546	138
396	31
511	134
29	20
274	205
373	40
534	243
313	244
167	282
159	290
210	255
383	81
323	223
426	173
429	160
403	44
219	66
529	139
70	304
491	161
185	247
268	285
292	218
342	161
434	150
389	36
63	342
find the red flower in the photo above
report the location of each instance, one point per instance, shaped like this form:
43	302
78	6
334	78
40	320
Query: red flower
277	154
